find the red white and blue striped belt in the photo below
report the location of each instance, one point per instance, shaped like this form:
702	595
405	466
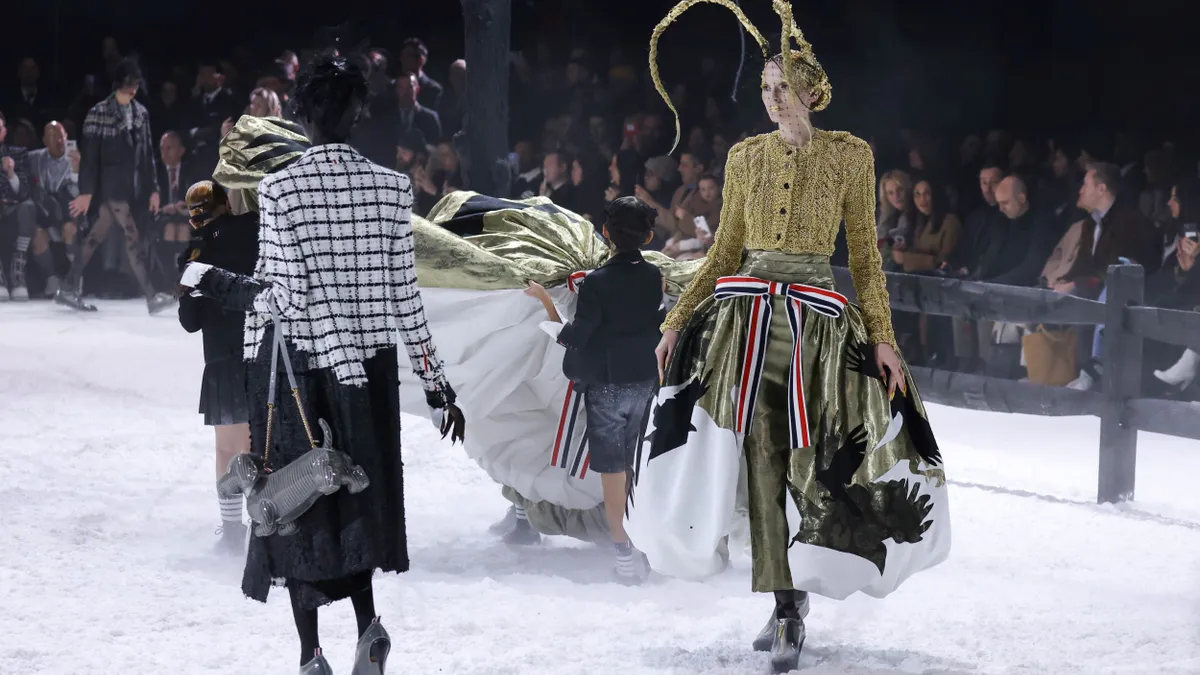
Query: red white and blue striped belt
568	454
822	301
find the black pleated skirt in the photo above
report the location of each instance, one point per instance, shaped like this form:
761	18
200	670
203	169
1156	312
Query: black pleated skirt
223	399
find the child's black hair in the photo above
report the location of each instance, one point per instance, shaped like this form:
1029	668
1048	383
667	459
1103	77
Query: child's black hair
629	221
330	93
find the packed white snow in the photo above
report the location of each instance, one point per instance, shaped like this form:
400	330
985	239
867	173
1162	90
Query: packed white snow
107	563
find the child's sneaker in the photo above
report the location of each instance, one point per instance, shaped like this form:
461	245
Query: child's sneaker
632	567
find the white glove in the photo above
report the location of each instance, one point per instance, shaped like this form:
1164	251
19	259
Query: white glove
192	274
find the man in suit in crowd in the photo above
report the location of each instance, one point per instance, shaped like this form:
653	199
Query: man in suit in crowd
413	57
175	174
411	114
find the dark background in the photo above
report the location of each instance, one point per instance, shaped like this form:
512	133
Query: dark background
1040	66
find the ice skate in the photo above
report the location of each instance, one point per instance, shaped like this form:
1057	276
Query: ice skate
505	524
788	641
20	293
318	666
73	300
233	539
160	302
371	656
522	534
766	637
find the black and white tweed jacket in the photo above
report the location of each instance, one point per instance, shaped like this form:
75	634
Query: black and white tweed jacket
336	256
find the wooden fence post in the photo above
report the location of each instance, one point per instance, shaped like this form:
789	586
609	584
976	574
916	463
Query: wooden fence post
1122	377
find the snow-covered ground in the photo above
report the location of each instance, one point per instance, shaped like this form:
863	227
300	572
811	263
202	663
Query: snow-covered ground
107	501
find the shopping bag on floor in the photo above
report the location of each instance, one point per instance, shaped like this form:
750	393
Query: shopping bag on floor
1050	356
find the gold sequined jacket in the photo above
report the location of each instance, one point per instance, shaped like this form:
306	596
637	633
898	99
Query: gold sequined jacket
779	197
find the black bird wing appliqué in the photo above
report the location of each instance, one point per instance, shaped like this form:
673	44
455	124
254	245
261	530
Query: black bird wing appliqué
860	358
673	418
919	431
846	461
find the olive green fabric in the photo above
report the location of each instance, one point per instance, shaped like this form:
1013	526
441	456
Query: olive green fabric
587	525
847	408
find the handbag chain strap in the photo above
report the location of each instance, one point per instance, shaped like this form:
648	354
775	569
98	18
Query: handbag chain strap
280	347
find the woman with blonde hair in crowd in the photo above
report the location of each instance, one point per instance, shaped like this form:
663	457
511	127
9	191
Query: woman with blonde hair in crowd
895	188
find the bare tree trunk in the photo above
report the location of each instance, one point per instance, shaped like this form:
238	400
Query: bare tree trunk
483	143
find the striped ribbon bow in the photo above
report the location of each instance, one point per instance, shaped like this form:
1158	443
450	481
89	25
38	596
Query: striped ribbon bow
569	455
822	301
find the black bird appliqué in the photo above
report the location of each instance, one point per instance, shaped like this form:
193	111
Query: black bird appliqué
921	435
846	460
860	358
673	418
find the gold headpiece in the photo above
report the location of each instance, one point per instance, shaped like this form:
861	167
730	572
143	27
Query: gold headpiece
811	75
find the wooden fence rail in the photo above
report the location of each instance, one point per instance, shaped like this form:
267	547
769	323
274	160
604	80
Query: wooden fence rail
1127	323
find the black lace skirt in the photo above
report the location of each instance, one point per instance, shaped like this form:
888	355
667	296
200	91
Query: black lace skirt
223	398
343	539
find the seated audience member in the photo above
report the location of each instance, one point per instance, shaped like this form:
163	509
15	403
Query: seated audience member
684	247
1117	231
55	172
688	202
935	231
18	214
895	206
556	180
1028	226
659	176
176	174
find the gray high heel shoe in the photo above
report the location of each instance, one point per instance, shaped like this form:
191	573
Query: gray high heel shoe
318	666
766	637
373	647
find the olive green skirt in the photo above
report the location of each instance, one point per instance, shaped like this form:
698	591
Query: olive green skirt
844	485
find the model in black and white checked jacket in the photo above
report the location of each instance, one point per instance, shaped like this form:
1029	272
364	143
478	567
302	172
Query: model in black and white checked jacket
336	257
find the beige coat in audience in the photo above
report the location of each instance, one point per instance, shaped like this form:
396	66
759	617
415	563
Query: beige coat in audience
1063	258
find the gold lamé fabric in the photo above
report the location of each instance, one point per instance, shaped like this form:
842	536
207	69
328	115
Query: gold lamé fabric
788	199
848	410
255	147
529	239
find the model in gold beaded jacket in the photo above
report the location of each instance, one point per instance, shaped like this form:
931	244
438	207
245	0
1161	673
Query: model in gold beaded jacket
770	375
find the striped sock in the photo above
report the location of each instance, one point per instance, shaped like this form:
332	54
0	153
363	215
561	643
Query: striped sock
520	511
231	509
625	566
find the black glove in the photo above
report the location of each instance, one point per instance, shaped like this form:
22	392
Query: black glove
446	416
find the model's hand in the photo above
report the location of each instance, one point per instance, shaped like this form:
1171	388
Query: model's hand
889	364
80	205
154	203
664	352
193	273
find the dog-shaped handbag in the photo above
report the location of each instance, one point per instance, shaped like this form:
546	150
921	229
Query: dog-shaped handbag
276	499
